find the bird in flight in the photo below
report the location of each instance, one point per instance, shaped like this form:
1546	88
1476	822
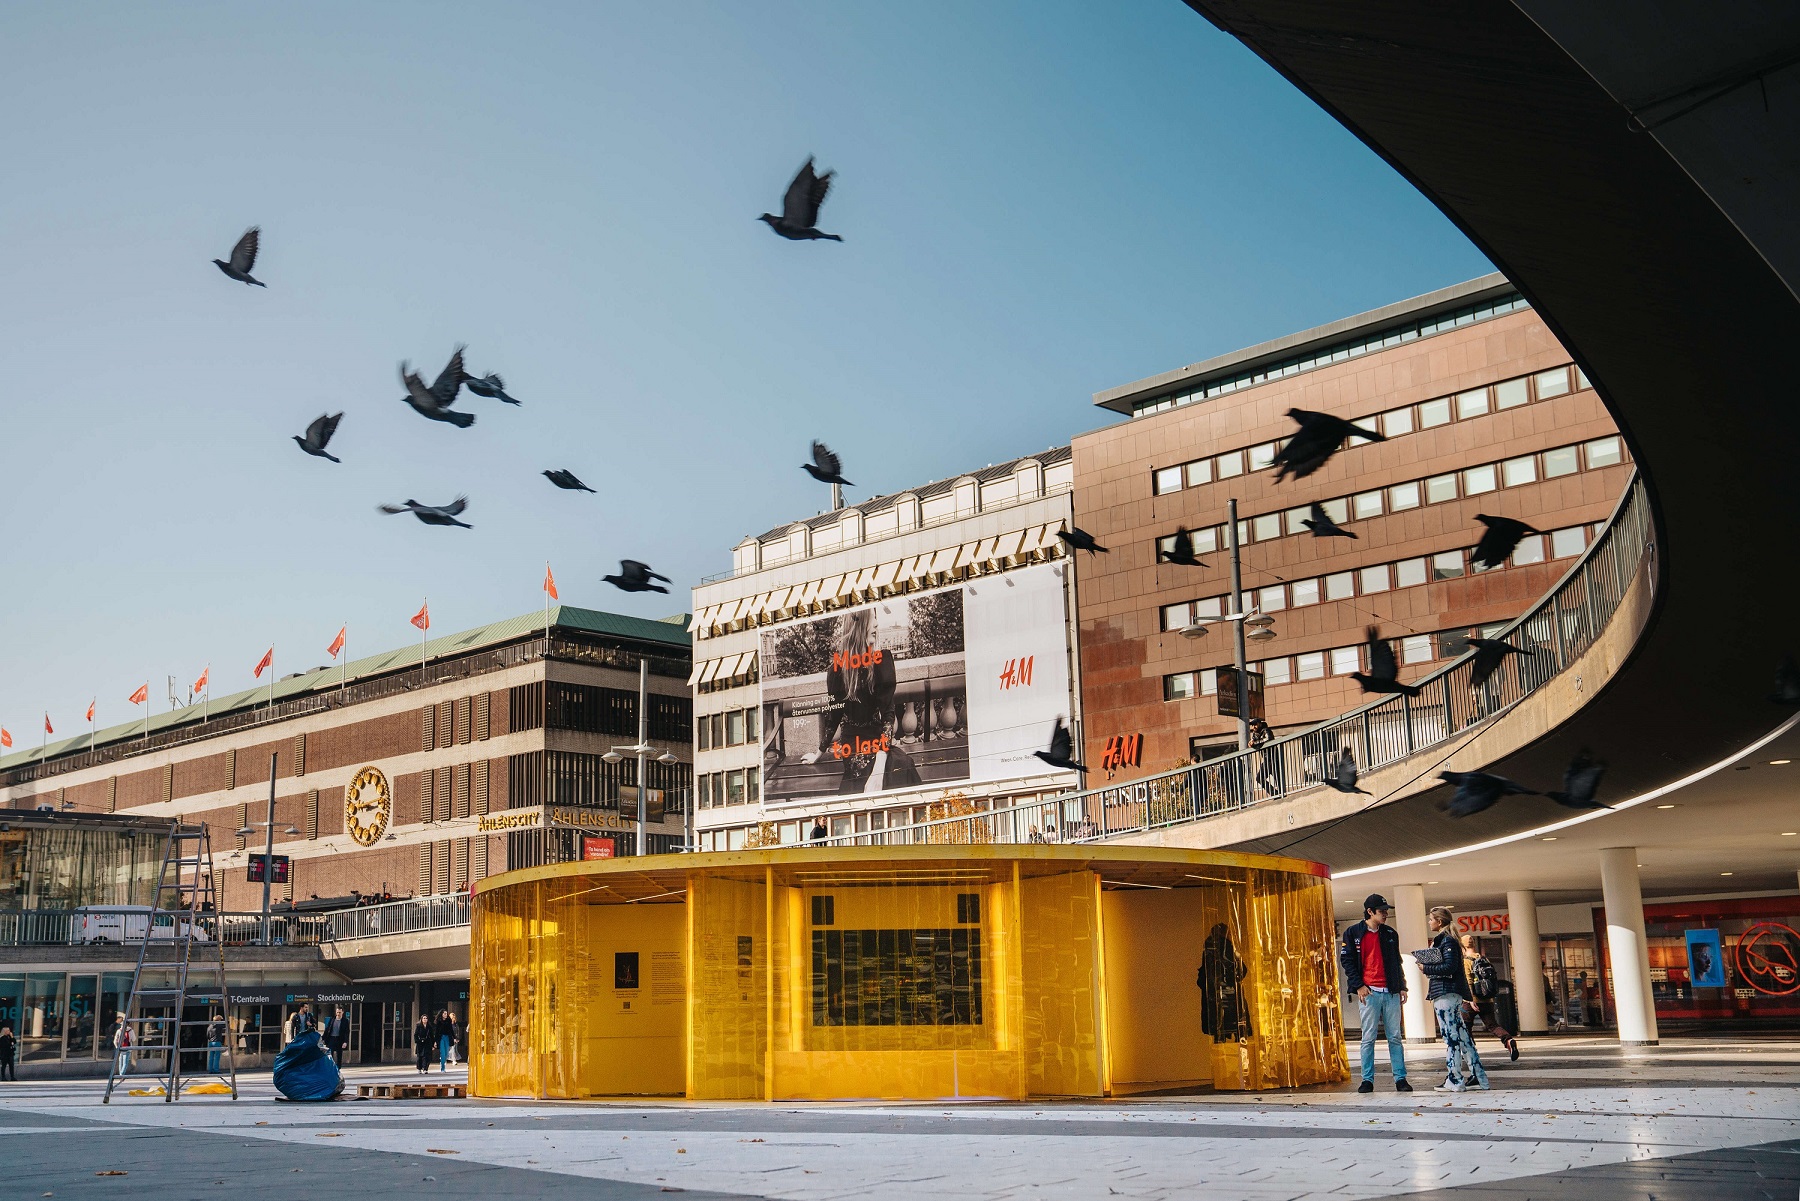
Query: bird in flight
1477	790
318	434
1080	539
1321	524
566	479
1490	653
635	577
1062	749
1343	775
434	402
1499	540
1182	552
1581	780
1318	438
490	386
243	258
800	207
433	514
1383	668
826	467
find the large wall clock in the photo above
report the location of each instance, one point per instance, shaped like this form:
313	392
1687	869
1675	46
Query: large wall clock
368	805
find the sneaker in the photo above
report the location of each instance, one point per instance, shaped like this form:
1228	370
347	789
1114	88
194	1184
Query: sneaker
1451	1086
1401	1086
1367	1086
1479	1086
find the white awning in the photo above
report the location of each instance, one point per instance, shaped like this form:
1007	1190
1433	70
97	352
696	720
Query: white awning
1006	545
1031	541
694	676
778	600
809	592
884	575
944	560
739	666
712	670
832	589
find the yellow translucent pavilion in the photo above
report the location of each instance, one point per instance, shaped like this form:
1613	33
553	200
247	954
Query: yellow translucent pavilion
933	971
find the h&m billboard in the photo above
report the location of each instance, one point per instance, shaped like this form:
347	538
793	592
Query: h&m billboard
961	684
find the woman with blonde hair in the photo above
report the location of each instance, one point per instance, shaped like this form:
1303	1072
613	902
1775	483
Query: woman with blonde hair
1442	963
860	681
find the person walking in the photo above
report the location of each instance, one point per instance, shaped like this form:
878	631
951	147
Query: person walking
121	1041
446	1032
1442	963
302	1021
336	1035
424	1036
1369	958
1484	988
1270	776
9	1053
215	1041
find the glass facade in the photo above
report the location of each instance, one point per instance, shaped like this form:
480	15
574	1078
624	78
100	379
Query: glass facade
1721	962
59	1015
63	863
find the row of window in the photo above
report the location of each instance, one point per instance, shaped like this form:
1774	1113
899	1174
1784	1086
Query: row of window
1382	577
720	788
1411	494
1339	661
1428	414
597	710
1337	353
734	727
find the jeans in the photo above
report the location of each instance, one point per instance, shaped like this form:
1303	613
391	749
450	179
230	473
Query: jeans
1383	1007
212	1056
1457	1043
443	1052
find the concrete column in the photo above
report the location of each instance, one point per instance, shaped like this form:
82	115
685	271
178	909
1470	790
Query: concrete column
1409	924
1527	961
1627	947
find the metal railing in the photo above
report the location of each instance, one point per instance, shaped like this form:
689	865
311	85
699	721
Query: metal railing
1558	630
65	927
398	917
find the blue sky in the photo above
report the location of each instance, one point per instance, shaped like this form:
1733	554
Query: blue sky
1039	200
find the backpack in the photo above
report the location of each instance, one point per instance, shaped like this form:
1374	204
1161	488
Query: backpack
1483	980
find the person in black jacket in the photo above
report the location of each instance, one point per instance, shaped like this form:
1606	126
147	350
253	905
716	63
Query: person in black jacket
1442	963
9	1052
1223	1015
1369	958
424	1039
336	1035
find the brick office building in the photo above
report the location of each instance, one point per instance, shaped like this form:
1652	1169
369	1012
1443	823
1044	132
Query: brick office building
1484	412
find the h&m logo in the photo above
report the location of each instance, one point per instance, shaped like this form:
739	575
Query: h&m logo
1122	750
1017	673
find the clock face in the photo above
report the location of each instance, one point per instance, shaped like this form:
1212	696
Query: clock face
367	806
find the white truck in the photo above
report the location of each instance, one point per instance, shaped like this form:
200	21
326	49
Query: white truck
127	923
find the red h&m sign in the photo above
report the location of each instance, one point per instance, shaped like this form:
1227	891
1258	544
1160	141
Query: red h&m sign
1122	750
596	848
1016	673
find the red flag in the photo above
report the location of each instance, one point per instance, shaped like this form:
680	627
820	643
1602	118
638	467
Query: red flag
200	684
90	715
48	728
550	583
5	736
337	644
422	618
268	661
141	695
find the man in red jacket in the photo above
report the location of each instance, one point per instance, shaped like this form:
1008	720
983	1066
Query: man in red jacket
1369	958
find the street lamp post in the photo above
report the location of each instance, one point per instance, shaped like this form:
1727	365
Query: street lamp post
1259	624
641	749
268	870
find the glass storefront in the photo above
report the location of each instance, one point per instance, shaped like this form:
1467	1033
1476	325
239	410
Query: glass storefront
53	862
1723	962
57	1016
1572	996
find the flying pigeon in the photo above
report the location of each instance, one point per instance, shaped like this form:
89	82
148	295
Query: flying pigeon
1787	683
1062	749
1182	552
1343	775
826	467
318	434
1318	438
435	402
1383	668
1580	782
1477	790
490	386
1322	526
1080	539
800	207
1490	653
1499	540
635	577
433	514
243	258
566	479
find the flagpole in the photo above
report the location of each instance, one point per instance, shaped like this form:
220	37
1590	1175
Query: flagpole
146	712
344	667
424	637
271	693
546	608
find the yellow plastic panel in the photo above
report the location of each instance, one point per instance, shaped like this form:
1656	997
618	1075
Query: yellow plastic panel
728	1023
1060	984
503	992
1155	941
1300	1037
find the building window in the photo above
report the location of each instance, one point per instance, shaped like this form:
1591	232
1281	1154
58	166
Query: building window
1416	649
1440	488
752	720
1552	383
1560	461
1340	586
1230	464
1306	592
1447	565
1338	509
1451	645
1209	682
1275	671
1204	540
1530	550
1198	472
1176	616
1296	520
1409	572
1603	452
1375	579
1477	480
1434	413
1212	606
1168	480
1403	496
1395	422
734	728
1262	456
1310	666
702	733
1519	471
1564	543
1346	659
1471	404
752	789
734	787
1265	527
703	791
1581	380
1511	394
1366	504
1178	687
1272	598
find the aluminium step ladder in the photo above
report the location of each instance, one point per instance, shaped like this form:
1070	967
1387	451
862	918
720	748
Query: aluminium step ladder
167	969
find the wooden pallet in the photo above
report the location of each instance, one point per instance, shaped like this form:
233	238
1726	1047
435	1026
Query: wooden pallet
410	1092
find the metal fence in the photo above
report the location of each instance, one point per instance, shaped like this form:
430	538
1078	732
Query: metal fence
1557	631
398	917
64	927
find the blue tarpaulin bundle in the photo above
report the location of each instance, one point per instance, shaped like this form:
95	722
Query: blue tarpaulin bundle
304	1072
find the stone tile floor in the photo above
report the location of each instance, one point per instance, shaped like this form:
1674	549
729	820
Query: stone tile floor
1713	1119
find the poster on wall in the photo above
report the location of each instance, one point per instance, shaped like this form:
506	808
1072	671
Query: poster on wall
938	688
1706	959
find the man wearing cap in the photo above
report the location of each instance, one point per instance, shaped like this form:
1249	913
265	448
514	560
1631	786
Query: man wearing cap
1370	961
